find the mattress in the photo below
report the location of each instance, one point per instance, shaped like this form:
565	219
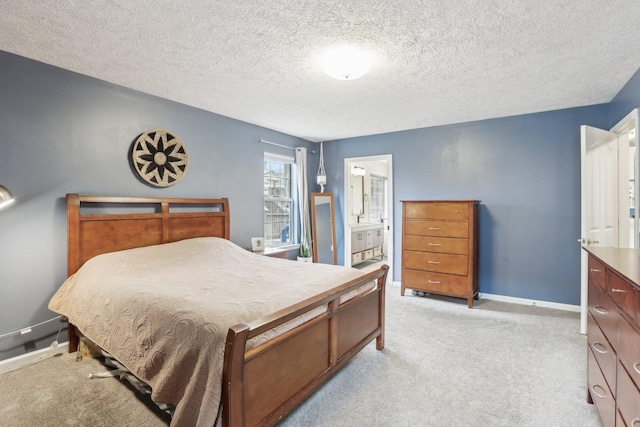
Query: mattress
164	311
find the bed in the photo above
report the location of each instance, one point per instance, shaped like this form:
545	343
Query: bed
234	368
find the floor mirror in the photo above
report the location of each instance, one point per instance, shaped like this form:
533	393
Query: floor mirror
323	228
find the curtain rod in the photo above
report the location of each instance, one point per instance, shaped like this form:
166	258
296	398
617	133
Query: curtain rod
280	145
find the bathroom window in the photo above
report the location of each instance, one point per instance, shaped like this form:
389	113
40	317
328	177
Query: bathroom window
377	210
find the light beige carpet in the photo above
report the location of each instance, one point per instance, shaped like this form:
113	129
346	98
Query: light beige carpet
58	392
497	364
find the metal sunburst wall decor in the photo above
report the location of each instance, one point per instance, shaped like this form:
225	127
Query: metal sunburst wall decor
159	157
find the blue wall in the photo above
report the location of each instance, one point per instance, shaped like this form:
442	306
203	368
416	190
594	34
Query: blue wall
526	172
626	100
62	132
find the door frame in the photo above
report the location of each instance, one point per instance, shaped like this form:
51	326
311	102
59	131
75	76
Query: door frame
348	162
628	123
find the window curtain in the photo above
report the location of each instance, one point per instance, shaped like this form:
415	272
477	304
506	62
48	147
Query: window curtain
303	202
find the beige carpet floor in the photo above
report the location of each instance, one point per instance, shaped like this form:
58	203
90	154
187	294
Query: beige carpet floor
497	364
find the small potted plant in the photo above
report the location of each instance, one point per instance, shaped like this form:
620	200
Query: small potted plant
305	253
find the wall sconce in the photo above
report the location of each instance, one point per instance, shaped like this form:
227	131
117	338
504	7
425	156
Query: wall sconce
358	171
6	198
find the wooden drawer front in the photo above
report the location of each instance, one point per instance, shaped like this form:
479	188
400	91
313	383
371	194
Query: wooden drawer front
605	313
622	293
437	228
435	282
437	244
603	353
596	273
628	399
629	350
600	393
441	263
448	210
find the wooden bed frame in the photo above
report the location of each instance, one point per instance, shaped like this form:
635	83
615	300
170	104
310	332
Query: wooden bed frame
260	385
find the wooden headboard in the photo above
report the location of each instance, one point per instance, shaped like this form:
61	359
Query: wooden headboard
97	224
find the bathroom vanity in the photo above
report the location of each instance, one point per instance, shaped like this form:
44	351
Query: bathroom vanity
366	241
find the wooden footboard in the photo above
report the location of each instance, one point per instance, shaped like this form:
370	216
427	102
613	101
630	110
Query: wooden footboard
263	384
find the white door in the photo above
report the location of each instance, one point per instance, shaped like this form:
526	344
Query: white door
599	198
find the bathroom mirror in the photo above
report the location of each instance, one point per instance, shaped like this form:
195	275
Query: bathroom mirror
323	228
357	195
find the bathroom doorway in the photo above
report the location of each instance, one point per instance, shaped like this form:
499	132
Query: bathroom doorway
368	212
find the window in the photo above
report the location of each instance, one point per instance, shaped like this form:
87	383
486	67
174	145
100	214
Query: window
278	200
377	209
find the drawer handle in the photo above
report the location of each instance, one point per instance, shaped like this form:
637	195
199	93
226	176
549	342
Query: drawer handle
434	262
595	270
600	310
435	244
595	347
434	228
636	367
593	389
617	290
437	282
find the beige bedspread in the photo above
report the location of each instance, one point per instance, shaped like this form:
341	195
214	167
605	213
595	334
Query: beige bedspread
164	311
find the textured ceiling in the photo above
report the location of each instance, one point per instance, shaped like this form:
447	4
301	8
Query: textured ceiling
437	62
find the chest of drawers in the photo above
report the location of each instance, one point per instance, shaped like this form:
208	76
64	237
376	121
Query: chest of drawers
440	247
613	335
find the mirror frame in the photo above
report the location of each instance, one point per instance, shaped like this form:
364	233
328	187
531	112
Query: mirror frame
333	225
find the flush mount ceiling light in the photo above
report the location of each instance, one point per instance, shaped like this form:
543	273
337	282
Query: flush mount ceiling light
346	62
6	198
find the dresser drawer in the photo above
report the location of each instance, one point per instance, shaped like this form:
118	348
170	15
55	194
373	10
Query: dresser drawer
604	312
629	349
441	263
440	283
447	210
600	393
603	352
622	293
628	400
437	228
597	273
437	244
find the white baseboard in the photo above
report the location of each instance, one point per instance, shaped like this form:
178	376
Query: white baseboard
524	301
537	303
31	357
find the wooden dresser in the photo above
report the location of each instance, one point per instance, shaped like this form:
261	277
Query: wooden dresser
613	335
440	247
